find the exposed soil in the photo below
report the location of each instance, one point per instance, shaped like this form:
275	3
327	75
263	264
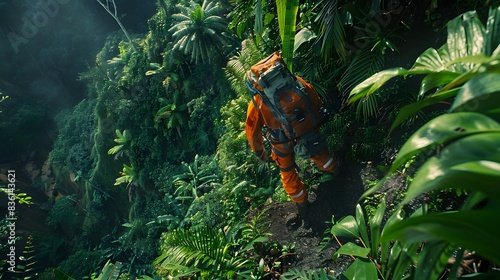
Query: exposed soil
336	198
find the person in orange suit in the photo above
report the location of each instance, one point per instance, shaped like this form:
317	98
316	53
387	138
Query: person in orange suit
282	151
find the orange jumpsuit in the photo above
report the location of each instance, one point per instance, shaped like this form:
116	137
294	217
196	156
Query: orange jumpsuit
282	153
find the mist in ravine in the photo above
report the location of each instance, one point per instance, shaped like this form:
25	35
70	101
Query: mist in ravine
44	46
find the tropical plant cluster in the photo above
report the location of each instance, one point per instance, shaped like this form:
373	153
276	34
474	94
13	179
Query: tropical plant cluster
153	177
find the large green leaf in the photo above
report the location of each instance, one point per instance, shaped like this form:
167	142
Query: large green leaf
384	247
361	269
475	230
471	163
259	24
492	31
402	255
483	167
442	129
434	80
351	249
362	229
375	225
110	271
480	94
413	108
465	37
445	66
304	35
287	17
431	61
452	81
433	258
347	227
439	130
373	83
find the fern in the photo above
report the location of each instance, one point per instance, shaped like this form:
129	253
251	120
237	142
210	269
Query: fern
202	252
26	267
333	35
302	275
237	67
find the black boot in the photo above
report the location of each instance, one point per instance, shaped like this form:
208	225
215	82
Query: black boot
303	209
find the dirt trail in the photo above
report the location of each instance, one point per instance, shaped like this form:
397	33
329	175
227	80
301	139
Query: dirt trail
339	198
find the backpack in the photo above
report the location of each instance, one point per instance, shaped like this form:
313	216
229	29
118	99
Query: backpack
296	109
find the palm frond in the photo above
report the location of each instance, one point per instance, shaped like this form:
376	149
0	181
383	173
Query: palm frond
332	35
199	30
364	64
367	107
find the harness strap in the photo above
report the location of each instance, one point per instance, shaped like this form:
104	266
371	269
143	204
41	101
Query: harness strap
279	153
290	168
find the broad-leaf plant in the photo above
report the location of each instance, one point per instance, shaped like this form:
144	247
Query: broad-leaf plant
460	150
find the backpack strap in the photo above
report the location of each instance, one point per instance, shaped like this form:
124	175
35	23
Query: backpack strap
305	98
253	91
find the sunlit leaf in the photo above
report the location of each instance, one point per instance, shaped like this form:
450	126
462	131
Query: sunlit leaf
304	35
431	61
442	129
361	269
439	130
471	163
346	227
480	94
351	249
455	227
485	167
115	149
434	80
287	15
373	83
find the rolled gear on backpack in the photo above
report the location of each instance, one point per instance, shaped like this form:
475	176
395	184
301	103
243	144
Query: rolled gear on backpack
309	145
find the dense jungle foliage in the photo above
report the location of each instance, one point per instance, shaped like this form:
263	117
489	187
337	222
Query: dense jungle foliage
152	177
